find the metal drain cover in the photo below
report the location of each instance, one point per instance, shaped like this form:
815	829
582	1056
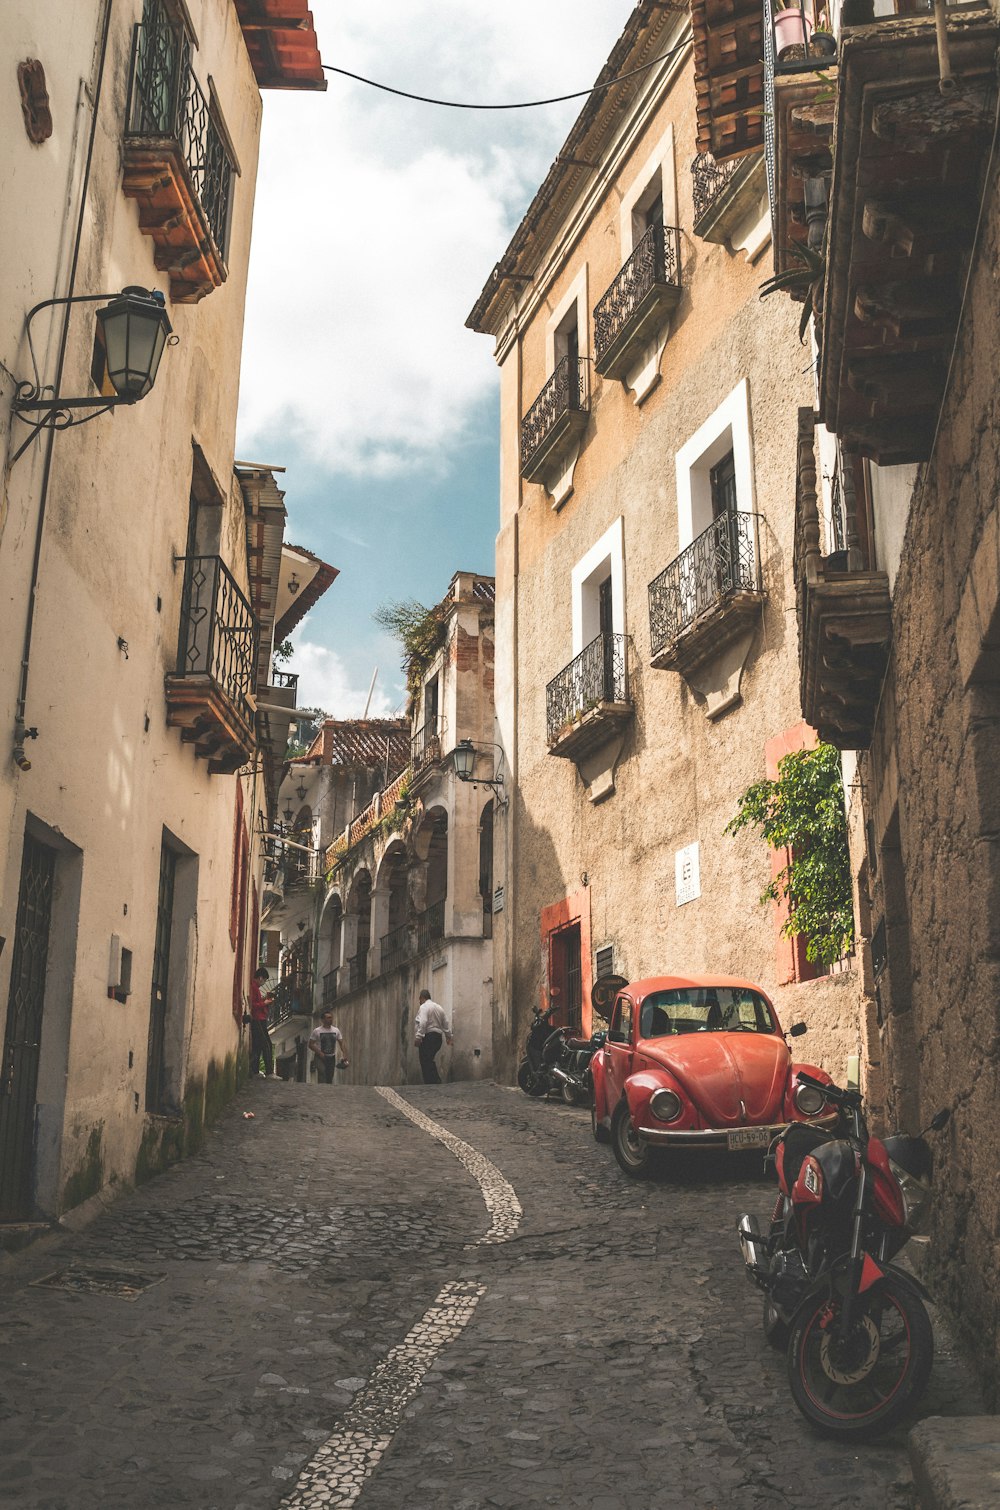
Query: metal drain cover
126	1284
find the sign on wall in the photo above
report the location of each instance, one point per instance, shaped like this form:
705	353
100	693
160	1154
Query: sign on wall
687	874
498	899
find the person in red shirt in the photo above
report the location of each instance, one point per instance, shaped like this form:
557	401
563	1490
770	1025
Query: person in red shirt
260	1038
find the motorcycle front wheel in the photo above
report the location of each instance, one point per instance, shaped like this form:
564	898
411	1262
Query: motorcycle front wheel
531	1083
861	1385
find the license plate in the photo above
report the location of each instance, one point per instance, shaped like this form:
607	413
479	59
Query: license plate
748	1137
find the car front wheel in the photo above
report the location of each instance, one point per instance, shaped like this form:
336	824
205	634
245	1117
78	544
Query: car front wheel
633	1155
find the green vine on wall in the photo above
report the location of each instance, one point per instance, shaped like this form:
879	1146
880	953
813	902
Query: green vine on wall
419	630
802	811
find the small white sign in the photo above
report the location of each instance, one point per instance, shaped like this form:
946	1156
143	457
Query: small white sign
498	899
687	874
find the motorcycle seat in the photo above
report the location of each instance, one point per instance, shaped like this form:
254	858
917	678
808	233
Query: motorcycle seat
578	1043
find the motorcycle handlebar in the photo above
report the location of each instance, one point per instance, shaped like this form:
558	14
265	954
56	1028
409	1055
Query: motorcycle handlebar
831	1092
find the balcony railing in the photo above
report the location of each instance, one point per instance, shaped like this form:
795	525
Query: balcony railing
722	561
283	1004
430	926
329	988
598	675
425	746
211	694
357	971
178	164
709	180
635	306
561	407
289	679
394	947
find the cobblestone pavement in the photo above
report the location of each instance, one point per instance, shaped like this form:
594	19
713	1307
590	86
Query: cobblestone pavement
343	1307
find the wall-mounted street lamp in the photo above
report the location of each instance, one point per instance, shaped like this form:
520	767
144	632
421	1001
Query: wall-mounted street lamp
294	584
464	759
287	811
300	791
134	330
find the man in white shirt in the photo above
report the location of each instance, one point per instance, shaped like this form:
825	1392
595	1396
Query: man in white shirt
324	1040
433	1023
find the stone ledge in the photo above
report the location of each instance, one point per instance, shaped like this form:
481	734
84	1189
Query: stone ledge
956	1462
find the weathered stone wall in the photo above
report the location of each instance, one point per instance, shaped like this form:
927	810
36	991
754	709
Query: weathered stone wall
934	794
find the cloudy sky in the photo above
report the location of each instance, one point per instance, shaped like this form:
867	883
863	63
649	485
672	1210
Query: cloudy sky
377	223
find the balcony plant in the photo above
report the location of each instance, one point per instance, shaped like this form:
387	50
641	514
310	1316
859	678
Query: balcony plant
803	281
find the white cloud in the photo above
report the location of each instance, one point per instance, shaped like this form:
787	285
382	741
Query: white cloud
378	220
325	682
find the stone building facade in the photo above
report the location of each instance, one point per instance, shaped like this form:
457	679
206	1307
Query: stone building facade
647	669
899	609
138	586
409	902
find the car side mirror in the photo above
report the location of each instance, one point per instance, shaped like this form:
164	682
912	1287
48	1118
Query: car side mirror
617	1037
941	1120
796	1030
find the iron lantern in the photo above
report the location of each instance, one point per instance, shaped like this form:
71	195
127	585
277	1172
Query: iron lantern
135	327
465	759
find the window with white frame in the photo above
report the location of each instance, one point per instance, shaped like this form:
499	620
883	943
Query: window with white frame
599	590
652	199
715	468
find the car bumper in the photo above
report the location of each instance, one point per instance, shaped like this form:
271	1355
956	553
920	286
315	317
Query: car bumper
718	1137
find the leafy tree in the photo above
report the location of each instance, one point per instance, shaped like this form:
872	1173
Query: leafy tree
284	651
419	630
803	811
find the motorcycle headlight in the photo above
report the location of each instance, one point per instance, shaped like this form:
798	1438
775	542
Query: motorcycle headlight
665	1105
808	1100
916	1196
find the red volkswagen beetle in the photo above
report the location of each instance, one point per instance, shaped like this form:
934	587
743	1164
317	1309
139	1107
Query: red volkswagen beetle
697	1062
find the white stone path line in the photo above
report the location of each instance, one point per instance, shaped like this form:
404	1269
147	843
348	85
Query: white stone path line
498	1193
336	1475
338	1471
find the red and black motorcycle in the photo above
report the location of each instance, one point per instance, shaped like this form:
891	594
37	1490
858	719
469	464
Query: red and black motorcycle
859	1341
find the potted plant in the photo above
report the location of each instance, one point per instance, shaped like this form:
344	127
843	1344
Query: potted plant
823	43
792	28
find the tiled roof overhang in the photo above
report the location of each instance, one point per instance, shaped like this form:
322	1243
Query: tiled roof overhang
322	578
728	40
281	41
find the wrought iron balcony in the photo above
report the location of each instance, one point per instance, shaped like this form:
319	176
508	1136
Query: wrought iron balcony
425	747
210	696
286	680
556	418
589	700
635	308
844	613
283	1004
357	971
707	595
330	988
430	926
730	199
178	166
395	947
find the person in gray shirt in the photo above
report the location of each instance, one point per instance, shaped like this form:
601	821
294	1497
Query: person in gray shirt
433	1025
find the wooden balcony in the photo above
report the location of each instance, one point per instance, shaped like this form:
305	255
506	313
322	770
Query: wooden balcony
728	76
639	303
909	163
210	696
844	617
588	703
177	164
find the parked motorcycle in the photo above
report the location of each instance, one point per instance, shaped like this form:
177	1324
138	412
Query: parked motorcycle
556	1061
859	1341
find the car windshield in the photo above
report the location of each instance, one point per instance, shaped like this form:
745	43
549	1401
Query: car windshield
705	1009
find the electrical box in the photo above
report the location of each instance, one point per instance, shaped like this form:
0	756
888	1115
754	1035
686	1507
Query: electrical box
119	971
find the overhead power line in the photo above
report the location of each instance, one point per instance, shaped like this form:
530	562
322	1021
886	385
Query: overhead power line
556	99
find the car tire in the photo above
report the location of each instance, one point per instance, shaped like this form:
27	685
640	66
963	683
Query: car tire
601	1134
634	1157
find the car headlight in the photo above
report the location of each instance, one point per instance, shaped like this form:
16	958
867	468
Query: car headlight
808	1100
665	1105
916	1196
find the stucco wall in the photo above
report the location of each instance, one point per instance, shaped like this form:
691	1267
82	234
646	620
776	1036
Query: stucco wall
679	775
108	776
931	777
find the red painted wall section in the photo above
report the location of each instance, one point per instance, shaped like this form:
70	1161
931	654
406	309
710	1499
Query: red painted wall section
790	954
573	909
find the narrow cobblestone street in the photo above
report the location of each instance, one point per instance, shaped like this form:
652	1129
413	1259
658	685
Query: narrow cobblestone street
440	1297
